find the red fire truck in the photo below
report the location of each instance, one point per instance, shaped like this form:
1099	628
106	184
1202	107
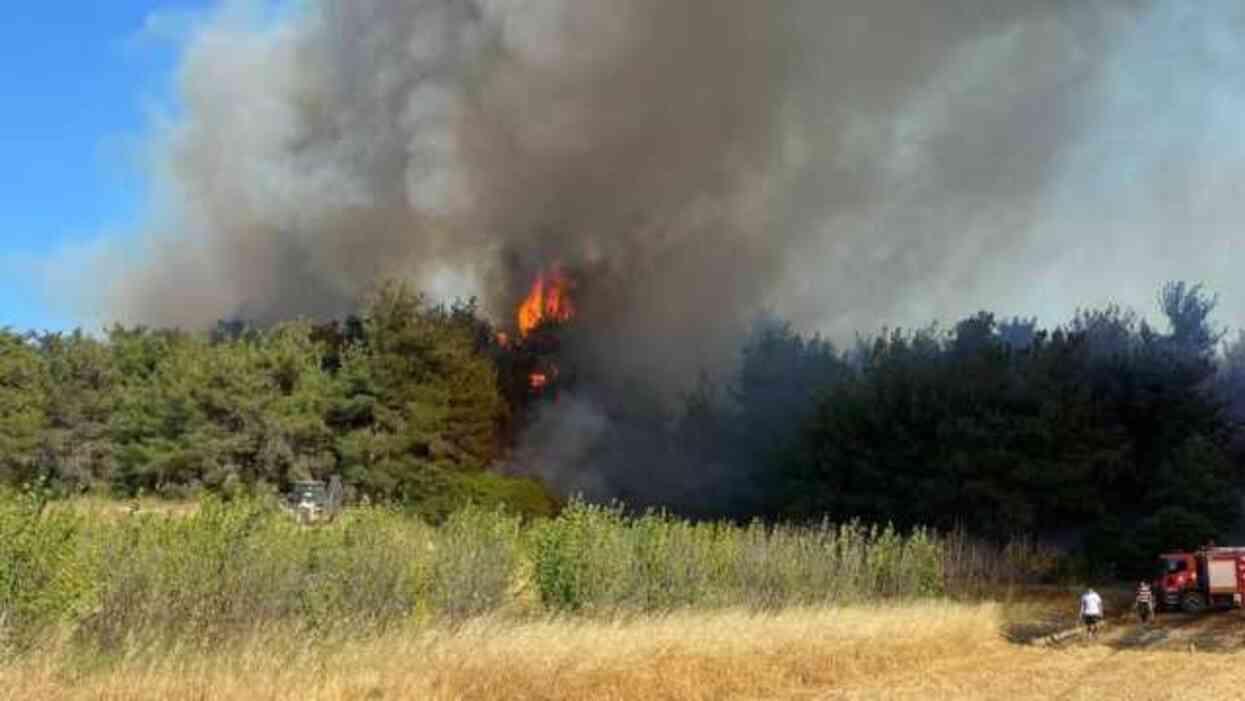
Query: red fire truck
1212	577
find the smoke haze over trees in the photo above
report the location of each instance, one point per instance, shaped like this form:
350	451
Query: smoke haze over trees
847	164
1106	432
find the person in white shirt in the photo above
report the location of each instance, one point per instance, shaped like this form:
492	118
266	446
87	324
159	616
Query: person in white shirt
1091	611
1145	602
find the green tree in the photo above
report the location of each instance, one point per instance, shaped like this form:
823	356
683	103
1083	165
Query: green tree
23	406
244	409
84	385
1028	431
417	405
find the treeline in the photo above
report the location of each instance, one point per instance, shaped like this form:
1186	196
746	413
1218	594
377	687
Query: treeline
1105	434
404	403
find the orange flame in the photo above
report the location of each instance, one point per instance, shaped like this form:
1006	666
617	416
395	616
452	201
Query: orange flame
538	381
549	300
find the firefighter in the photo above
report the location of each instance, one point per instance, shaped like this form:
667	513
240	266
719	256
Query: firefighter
1091	611
1145	602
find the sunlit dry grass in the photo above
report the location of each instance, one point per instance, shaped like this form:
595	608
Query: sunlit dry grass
108	507
679	656
918	651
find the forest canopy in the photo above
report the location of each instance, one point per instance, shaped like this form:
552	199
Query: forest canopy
1105	431
403	403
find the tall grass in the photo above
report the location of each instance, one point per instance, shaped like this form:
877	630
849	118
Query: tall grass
910	650
684	655
229	569
593	557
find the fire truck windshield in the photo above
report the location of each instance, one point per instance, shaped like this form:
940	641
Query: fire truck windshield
1174	566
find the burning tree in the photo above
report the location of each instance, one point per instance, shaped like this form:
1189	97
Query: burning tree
549	302
548	305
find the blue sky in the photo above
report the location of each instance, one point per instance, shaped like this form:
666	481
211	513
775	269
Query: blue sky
79	84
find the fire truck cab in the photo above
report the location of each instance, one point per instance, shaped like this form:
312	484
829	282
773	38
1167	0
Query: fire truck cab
1194	581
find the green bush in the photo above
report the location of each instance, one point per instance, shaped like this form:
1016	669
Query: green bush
46	573
233	566
476	561
592	557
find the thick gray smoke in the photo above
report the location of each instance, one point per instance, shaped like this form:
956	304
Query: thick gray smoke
847	164
693	160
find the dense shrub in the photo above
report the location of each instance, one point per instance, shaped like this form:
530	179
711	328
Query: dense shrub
231	567
114	579
48	571
593	557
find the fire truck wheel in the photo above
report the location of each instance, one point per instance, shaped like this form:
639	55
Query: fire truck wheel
1192	602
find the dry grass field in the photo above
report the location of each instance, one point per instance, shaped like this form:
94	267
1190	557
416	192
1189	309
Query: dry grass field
917	651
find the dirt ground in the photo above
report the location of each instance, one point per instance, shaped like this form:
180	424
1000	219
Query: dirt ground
1222	632
1170	658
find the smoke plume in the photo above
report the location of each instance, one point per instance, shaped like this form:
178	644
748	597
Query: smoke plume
697	160
694	162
